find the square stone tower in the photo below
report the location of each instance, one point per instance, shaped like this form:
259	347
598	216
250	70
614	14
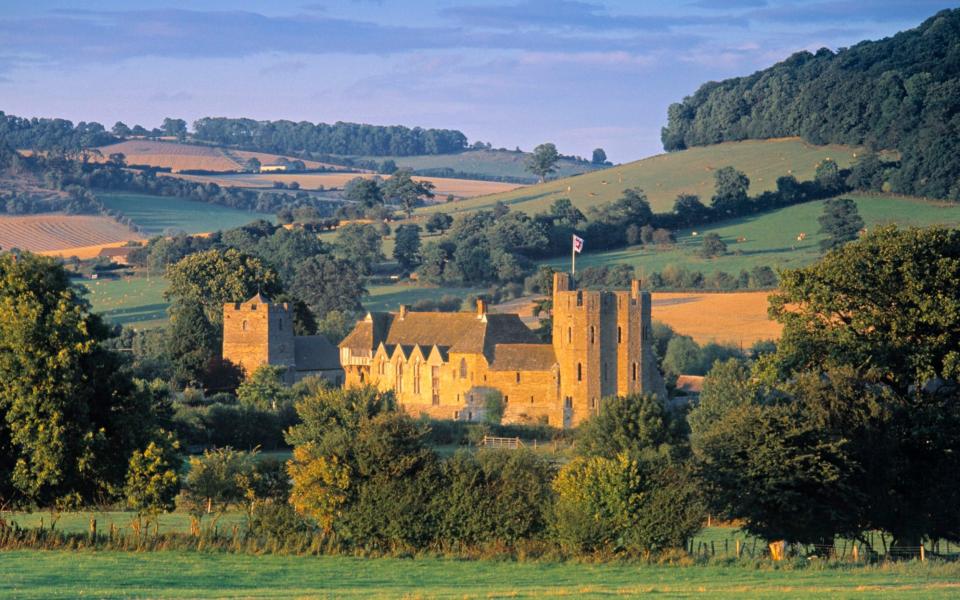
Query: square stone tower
603	347
258	332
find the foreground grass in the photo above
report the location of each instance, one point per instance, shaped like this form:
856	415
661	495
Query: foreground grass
64	574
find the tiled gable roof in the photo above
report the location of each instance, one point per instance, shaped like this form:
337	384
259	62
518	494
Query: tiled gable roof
523	357
453	332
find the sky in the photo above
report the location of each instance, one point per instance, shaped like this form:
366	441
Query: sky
579	73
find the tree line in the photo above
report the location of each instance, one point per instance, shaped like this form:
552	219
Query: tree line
288	137
899	93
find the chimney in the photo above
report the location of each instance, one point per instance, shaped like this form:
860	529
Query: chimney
481	308
403	311
635	288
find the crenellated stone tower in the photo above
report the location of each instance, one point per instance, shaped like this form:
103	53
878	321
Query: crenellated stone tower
602	342
258	332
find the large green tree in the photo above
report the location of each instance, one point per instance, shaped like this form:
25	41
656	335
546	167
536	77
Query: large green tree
360	244
840	223
889	301
543	160
406	248
71	415
403	189
328	284
730	191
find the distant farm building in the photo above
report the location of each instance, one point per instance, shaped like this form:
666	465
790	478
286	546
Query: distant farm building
118	256
275	168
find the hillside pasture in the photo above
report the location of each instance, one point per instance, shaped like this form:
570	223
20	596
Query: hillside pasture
57	233
770	238
137	301
178	574
460	188
490	163
178	156
665	176
159	214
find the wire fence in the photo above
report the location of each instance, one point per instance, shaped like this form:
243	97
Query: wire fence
874	546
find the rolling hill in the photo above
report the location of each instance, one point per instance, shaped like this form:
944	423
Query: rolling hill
665	176
178	157
768	239
54	232
483	163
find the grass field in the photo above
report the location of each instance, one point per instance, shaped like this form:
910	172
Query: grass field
770	238
157	214
138	301
64	574
483	162
134	301
461	188
50	231
177	156
665	176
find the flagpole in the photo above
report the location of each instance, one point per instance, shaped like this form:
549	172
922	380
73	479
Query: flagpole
573	258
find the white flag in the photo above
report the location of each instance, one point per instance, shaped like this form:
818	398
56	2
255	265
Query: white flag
577	244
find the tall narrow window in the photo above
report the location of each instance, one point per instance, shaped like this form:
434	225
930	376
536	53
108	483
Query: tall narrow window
399	382
634	371
463	368
244	325
619	335
579	372
435	384
518	376
569	335
416	377
592	337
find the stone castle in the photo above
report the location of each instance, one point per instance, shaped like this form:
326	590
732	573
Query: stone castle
258	332
446	365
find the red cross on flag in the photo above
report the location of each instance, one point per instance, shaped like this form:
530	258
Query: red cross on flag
577	244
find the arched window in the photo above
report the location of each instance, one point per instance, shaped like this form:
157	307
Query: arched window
619	335
244	325
518	376
416	377
592	336
579	372
463	368
569	335
399	382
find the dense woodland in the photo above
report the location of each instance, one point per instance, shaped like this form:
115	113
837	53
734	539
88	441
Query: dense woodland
287	137
901	93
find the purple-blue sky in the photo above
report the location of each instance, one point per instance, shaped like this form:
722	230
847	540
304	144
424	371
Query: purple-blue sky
580	73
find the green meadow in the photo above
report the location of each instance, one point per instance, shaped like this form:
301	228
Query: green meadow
665	176
769	238
177	574
159	214
482	162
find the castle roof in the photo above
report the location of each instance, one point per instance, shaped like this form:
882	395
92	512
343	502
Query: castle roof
523	357
315	353
461	332
259	298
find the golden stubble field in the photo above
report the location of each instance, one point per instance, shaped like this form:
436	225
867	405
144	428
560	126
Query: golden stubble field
178	156
738	318
51	233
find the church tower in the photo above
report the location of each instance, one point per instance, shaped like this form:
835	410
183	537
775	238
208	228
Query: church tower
258	332
602	343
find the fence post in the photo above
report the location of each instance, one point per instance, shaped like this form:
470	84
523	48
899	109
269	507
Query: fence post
738	547
713	549
856	553
726	547
923	555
